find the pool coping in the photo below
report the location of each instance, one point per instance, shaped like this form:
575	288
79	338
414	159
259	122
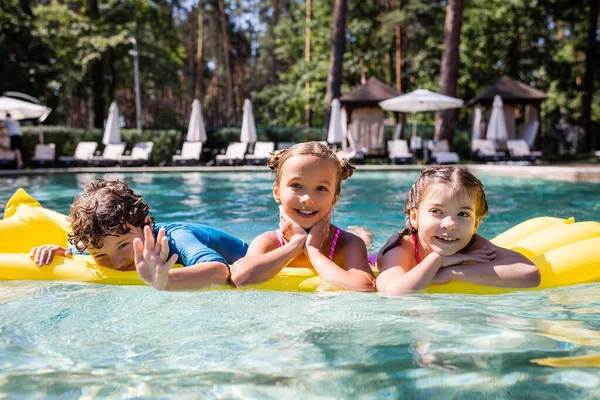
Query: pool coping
572	173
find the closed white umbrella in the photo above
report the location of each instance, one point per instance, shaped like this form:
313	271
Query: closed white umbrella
476	130
196	129
420	100
496	129
112	129
248	126
335	133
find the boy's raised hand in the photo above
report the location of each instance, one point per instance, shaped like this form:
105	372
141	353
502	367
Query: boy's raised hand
43	255
151	258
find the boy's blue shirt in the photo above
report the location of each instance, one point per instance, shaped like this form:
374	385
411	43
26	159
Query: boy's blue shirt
197	243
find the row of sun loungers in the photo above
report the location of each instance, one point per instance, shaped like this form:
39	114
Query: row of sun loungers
398	151
517	150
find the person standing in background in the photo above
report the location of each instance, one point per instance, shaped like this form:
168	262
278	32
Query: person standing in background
16	139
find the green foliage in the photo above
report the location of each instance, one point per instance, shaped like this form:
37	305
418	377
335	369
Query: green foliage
48	45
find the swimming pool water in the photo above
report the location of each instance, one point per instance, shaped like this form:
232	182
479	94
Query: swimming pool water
67	340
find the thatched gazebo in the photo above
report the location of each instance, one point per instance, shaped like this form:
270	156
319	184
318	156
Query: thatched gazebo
365	116
521	102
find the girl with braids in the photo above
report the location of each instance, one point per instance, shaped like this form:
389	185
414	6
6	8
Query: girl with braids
307	186
440	243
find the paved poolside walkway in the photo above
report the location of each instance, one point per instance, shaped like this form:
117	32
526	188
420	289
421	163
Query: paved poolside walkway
574	173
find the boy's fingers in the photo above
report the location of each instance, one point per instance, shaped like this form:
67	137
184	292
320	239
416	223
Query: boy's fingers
172	260
164	248
159	240
148	238
138	250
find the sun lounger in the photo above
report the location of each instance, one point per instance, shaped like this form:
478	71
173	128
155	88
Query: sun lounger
398	152
8	159
441	154
83	152
519	151
234	155
190	154
262	152
140	155
485	150
44	155
110	156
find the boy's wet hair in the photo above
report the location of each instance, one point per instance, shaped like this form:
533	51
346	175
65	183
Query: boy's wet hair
279	157
105	208
453	179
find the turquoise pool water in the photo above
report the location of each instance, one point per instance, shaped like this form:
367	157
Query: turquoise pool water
65	340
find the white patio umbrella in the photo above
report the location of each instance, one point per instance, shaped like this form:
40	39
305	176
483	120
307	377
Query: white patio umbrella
476	130
248	127
196	129
112	130
335	133
420	100
19	109
496	129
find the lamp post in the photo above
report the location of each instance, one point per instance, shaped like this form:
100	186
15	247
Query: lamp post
138	102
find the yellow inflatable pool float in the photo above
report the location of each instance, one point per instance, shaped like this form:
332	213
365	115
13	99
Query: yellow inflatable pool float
566	253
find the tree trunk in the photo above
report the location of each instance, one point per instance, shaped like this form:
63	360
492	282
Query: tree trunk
231	103
336	60
307	110
398	53
191	52
445	120
96	71
591	141
275	38
199	83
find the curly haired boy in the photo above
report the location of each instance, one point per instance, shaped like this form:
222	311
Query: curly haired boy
113	224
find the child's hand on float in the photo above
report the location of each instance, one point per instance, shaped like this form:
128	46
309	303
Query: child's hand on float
151	258
319	232
476	256
290	228
43	255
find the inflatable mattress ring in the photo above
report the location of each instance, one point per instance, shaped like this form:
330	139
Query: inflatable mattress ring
564	251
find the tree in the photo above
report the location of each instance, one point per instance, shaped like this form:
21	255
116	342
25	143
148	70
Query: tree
591	140
334	79
445	120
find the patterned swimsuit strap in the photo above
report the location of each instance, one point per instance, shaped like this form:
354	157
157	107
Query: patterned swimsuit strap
334	242
416	247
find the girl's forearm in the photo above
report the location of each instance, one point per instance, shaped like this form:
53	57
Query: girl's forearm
358	281
260	268
495	273
416	279
198	276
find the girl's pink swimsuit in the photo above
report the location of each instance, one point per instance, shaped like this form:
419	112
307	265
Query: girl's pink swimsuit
333	242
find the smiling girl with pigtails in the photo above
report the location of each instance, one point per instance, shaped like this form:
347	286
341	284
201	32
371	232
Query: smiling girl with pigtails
307	187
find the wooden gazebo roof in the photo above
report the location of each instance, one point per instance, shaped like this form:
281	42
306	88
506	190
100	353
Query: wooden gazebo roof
369	94
511	91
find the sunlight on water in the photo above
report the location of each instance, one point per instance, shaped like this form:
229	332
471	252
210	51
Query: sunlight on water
67	340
